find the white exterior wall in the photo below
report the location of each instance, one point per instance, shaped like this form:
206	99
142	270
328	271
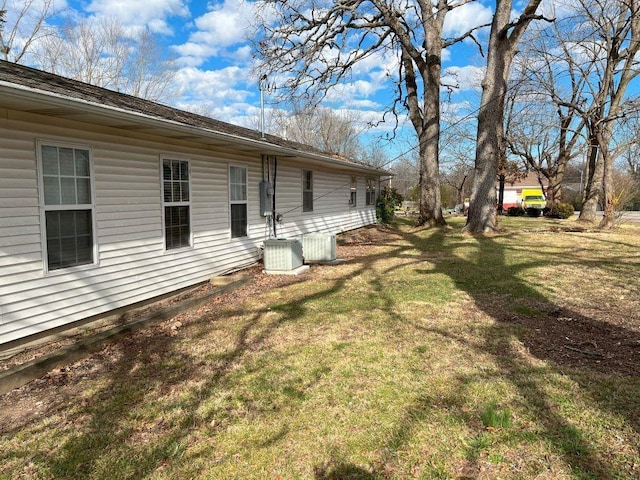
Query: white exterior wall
132	264
331	210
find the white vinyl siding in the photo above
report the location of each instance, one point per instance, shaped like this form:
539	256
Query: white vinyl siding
331	211
128	221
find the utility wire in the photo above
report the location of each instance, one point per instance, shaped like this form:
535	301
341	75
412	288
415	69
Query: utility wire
468	116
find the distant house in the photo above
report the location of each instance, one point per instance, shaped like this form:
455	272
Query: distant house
107	200
513	190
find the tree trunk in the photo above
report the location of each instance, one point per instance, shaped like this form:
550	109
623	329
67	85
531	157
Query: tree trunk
556	176
593	184
609	212
553	190
429	136
489	143
608	194
430	198
502	180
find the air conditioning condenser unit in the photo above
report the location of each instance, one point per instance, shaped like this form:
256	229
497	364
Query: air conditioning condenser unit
318	247
282	254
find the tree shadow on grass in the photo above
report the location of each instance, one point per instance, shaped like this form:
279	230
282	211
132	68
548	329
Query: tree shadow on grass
578	345
343	471
176	386
115	436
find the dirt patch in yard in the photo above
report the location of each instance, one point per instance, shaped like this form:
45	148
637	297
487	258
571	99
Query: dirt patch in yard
351	245
594	339
570	338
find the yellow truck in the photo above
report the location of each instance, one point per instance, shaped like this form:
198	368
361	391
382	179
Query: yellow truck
533	198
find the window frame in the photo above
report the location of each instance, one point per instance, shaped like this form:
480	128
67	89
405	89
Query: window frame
353	191
307	175
44	208
238	202
182	203
371	189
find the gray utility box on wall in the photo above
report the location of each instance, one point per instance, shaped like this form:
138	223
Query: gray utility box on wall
266	198
319	247
282	254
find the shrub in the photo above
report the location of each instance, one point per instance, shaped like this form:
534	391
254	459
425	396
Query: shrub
561	210
533	212
387	202
515	211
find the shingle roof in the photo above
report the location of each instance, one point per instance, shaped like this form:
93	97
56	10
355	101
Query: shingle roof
69	88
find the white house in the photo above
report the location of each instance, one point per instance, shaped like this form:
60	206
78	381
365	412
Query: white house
107	200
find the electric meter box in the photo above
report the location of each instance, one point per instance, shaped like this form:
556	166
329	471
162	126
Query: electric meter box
266	198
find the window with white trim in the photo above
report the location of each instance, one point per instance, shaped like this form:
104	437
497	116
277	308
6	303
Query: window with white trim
307	191
238	200
353	198
67	205
371	191
176	203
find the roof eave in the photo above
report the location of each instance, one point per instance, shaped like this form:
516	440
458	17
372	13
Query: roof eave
261	146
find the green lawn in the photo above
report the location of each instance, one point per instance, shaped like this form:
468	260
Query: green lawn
428	354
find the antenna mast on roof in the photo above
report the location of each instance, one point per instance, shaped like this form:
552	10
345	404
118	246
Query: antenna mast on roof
263	85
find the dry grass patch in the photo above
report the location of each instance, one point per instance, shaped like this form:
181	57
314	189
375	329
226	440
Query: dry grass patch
429	354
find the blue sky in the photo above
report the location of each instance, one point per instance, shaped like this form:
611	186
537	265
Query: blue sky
214	63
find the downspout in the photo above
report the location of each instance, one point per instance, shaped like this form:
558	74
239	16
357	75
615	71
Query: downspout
273	207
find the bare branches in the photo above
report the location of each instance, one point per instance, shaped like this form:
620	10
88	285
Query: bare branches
24	24
470	34
103	53
520	25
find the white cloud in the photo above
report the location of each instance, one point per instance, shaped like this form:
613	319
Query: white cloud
453	112
364	104
235	113
223	26
153	14
463	78
462	19
243	53
356	90
223	85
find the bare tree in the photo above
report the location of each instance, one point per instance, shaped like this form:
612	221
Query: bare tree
317	44
104	53
543	127
374	153
459	177
331	131
24	23
504	38
406	173
611	43
626	175
631	155
457	143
